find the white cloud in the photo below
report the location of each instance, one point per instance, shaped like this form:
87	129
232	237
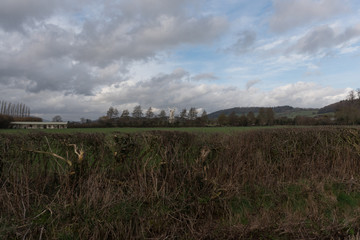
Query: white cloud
306	94
174	89
99	49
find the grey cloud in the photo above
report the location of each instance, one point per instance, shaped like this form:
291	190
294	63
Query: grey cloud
150	9
15	13
49	57
205	76
101	43
50	75
244	43
178	75
44	62
291	14
323	38
139	29
251	83
47	104
163	91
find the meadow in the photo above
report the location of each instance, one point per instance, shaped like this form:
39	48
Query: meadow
138	130
275	183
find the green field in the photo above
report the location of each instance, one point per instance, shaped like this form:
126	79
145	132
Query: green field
138	130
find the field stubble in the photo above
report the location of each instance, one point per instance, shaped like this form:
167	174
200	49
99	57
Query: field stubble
276	184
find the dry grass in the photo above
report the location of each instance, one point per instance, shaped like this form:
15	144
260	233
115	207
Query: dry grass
274	184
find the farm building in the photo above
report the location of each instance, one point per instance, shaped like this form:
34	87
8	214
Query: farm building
38	125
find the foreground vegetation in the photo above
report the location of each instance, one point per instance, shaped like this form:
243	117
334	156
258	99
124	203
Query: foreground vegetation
301	183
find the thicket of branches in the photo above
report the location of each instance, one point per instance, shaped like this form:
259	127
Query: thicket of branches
300	183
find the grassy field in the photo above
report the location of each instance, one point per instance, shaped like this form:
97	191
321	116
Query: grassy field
293	183
139	130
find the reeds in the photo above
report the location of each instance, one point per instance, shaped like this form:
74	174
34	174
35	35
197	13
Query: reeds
282	184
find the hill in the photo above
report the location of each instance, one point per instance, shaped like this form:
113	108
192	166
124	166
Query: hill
280	111
334	107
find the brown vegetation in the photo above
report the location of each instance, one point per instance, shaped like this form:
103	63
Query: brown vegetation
273	184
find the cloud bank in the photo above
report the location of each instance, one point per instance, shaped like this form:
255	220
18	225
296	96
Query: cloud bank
77	58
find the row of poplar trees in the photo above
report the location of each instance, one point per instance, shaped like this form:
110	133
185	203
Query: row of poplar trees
14	110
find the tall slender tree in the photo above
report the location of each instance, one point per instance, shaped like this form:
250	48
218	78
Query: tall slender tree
162	114
183	114
125	114
193	113
137	112
149	113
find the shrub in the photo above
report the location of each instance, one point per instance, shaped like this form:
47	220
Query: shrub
5	121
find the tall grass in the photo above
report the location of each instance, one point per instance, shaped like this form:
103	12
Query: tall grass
273	184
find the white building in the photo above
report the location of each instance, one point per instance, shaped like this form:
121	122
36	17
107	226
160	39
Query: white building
38	125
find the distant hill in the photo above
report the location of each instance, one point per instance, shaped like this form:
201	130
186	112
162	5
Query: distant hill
280	111
333	107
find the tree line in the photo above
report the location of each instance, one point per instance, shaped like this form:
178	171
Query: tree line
146	118
14	110
185	118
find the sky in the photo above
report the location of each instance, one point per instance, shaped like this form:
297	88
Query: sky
77	58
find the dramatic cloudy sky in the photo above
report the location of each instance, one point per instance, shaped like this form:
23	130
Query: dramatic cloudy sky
78	58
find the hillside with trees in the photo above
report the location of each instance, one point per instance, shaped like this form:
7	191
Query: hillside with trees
348	111
344	112
279	111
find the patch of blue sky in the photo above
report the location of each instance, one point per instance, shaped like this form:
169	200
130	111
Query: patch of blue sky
341	72
198	59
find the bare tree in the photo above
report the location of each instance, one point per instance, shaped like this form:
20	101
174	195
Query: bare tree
193	113
162	114
57	118
3	107
112	113
137	112
351	96
149	113
183	114
204	116
125	113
